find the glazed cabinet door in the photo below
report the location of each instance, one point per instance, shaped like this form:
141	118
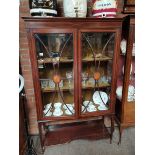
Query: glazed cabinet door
55	79
98	56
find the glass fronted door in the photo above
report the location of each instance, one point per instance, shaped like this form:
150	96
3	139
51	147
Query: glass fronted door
55	56
97	52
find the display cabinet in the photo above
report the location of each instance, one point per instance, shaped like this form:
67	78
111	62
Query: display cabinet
125	105
74	67
129	6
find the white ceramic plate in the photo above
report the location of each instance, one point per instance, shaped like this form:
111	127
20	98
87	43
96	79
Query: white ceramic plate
102	107
97	99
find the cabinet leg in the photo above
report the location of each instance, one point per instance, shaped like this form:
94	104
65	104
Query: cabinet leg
120	134
112	128
42	137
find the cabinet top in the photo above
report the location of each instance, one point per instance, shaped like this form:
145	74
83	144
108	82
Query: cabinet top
64	19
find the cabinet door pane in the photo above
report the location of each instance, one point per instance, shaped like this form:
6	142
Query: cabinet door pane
55	55
96	71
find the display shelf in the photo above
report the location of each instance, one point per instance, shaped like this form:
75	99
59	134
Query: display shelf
66	60
66	88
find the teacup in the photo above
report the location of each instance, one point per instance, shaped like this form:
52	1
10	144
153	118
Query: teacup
48	114
57	105
47	106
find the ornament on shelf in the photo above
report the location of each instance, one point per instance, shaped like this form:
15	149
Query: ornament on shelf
123	46
43	8
104	8
75	8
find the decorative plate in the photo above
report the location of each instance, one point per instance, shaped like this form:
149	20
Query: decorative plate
97	99
102	107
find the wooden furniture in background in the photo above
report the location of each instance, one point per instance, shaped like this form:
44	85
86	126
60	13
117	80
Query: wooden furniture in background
125	110
129	6
87	49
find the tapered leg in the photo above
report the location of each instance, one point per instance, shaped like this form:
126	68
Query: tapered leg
42	137
120	134
112	128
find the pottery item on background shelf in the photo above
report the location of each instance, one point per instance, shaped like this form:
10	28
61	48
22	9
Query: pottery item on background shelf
130	69
104	8
75	8
123	46
43	8
99	97
131	93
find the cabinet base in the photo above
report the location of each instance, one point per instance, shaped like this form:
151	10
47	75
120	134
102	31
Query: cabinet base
91	130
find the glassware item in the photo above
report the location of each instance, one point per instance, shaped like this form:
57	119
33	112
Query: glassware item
69	76
44	83
51	84
84	77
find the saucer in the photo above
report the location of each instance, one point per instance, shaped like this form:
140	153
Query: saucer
48	114
85	103
90	109
58	112
102	107
83	109
70	106
69	113
97	99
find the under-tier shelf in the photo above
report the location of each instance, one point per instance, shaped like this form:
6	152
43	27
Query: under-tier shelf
66	60
67	88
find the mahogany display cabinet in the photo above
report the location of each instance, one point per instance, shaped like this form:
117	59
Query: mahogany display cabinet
75	68
125	103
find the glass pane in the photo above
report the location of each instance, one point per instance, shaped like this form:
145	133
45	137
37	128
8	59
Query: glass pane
55	64
131	87
131	84
96	74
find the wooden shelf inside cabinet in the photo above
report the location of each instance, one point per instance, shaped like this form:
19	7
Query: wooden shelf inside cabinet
65	60
133	54
67	88
105	58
